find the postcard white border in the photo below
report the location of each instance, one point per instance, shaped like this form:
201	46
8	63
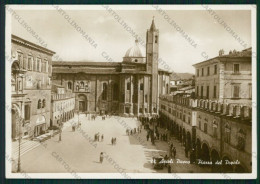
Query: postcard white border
252	175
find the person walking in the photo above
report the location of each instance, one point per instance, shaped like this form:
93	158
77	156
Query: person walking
112	141
174	152
169	168
165	159
101	157
102	137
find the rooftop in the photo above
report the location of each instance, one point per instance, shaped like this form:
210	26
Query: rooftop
246	53
22	41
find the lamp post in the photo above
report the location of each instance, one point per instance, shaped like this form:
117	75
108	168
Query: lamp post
19	144
61	123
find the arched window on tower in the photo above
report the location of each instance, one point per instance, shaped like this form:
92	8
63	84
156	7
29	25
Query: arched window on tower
167	88
43	103
39	104
156	39
104	93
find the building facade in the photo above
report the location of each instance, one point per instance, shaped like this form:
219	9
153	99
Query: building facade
226	77
215	131
31	88
216	123
62	105
127	88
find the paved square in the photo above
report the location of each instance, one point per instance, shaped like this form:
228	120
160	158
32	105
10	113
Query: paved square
76	152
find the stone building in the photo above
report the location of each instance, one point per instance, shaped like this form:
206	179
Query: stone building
215	131
128	88
31	87
215	124
62	105
227	77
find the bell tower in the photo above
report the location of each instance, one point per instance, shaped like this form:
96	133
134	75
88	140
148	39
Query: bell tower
152	48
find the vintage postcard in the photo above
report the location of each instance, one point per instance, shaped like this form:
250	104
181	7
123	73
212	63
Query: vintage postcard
131	91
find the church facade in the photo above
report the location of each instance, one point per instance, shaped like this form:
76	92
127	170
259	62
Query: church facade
129	88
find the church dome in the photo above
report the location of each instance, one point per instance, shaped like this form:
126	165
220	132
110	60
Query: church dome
134	51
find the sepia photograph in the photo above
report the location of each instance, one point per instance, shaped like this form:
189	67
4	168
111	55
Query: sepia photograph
131	91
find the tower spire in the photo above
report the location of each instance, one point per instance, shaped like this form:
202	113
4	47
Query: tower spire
152	28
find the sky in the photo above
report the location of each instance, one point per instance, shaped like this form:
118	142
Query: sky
113	39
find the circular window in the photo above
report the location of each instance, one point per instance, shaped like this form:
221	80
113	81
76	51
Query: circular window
136	60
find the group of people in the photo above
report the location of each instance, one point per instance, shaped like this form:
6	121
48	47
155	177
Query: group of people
113	141
134	130
97	137
93	117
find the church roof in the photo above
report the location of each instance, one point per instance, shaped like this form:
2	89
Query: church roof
85	63
134	51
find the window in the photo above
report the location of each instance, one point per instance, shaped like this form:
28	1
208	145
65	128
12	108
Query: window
208	71
29	63
198	72
199	125
241	140
39	104
156	39
115	92
205	127
38	64
183	118
207	92
215	128
47	66
154	110
43	103
197	90
236	89
202	72
189	120
140	110
35	65
44	66
146	98
145	110
227	133
141	86
215	69
81	84
136	60
69	85
104	93
201	91
27	112
128	86
215	92
20	59
236	68
167	88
